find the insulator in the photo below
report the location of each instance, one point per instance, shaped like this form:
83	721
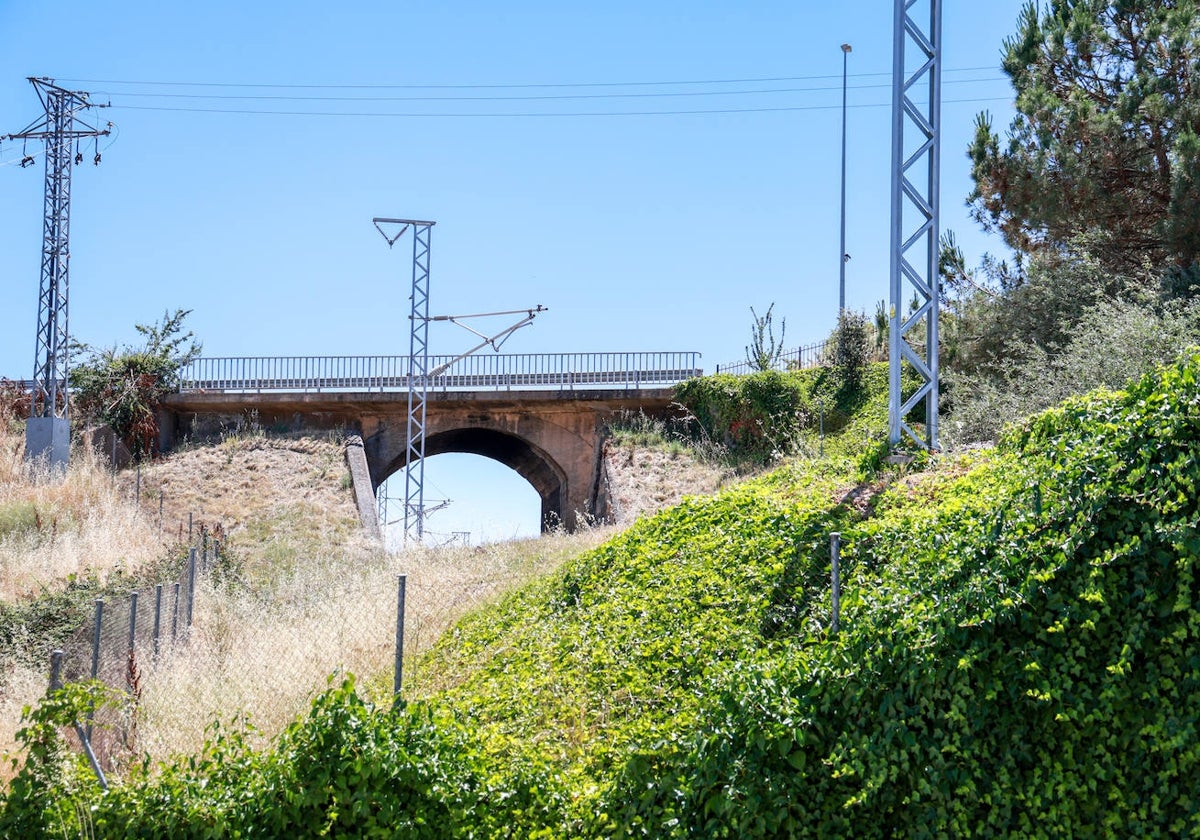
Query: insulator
27	161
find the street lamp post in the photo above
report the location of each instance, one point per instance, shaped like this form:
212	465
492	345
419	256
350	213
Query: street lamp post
842	255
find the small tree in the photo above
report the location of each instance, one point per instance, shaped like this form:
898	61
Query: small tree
850	349
764	352
124	388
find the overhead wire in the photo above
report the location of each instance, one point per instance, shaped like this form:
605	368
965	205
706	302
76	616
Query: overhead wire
542	114
520	98
498	86
212	100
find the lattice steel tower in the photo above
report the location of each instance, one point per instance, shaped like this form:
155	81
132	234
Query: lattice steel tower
418	370
916	154
48	433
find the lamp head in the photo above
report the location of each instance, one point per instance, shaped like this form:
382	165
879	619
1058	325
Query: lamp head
845	48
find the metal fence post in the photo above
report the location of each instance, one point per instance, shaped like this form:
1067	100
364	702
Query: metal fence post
175	615
191	584
129	656
157	616
399	637
835	544
56	658
96	637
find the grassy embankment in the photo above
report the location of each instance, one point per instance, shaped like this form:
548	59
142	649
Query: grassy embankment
301	595
1017	657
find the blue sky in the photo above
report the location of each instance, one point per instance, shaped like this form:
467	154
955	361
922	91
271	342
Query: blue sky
639	232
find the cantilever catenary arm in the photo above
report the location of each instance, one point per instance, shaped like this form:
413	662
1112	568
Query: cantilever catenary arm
495	341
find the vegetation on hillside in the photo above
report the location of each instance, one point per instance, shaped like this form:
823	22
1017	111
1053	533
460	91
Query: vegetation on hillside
123	388
1018	625
1015	657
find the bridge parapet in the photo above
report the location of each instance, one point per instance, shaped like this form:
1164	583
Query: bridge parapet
496	372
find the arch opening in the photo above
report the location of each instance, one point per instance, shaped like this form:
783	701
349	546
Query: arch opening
535	467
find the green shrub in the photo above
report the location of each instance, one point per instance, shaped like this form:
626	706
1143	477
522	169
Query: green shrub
1112	344
17	517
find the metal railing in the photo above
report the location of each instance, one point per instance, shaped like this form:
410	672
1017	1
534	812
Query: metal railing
810	355
253	374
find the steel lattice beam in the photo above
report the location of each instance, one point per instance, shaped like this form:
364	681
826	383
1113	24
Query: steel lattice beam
916	154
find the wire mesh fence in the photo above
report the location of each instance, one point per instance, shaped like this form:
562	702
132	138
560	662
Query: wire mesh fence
212	645
126	639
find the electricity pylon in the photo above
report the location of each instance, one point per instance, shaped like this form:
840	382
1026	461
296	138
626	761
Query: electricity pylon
48	432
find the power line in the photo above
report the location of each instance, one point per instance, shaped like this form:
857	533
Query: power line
518	98
527	114
160	83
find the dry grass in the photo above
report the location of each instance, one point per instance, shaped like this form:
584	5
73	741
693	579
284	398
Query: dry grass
309	597
54	528
644	480
265	658
278	498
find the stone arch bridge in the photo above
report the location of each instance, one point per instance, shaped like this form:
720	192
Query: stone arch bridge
541	415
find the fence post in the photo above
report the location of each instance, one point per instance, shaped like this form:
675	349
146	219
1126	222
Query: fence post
189	526
99	626
835	544
56	658
157	616
161	497
399	637
96	637
191	584
175	615
129	655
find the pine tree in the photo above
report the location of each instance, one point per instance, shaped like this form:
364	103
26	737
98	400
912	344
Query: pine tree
1105	146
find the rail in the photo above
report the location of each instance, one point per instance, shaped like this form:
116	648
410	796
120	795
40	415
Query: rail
499	372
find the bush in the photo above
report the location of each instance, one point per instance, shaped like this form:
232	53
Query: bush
1112	344
123	388
1017	655
850	351
757	417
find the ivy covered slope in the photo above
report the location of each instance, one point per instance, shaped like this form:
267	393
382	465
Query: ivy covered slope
1019	655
